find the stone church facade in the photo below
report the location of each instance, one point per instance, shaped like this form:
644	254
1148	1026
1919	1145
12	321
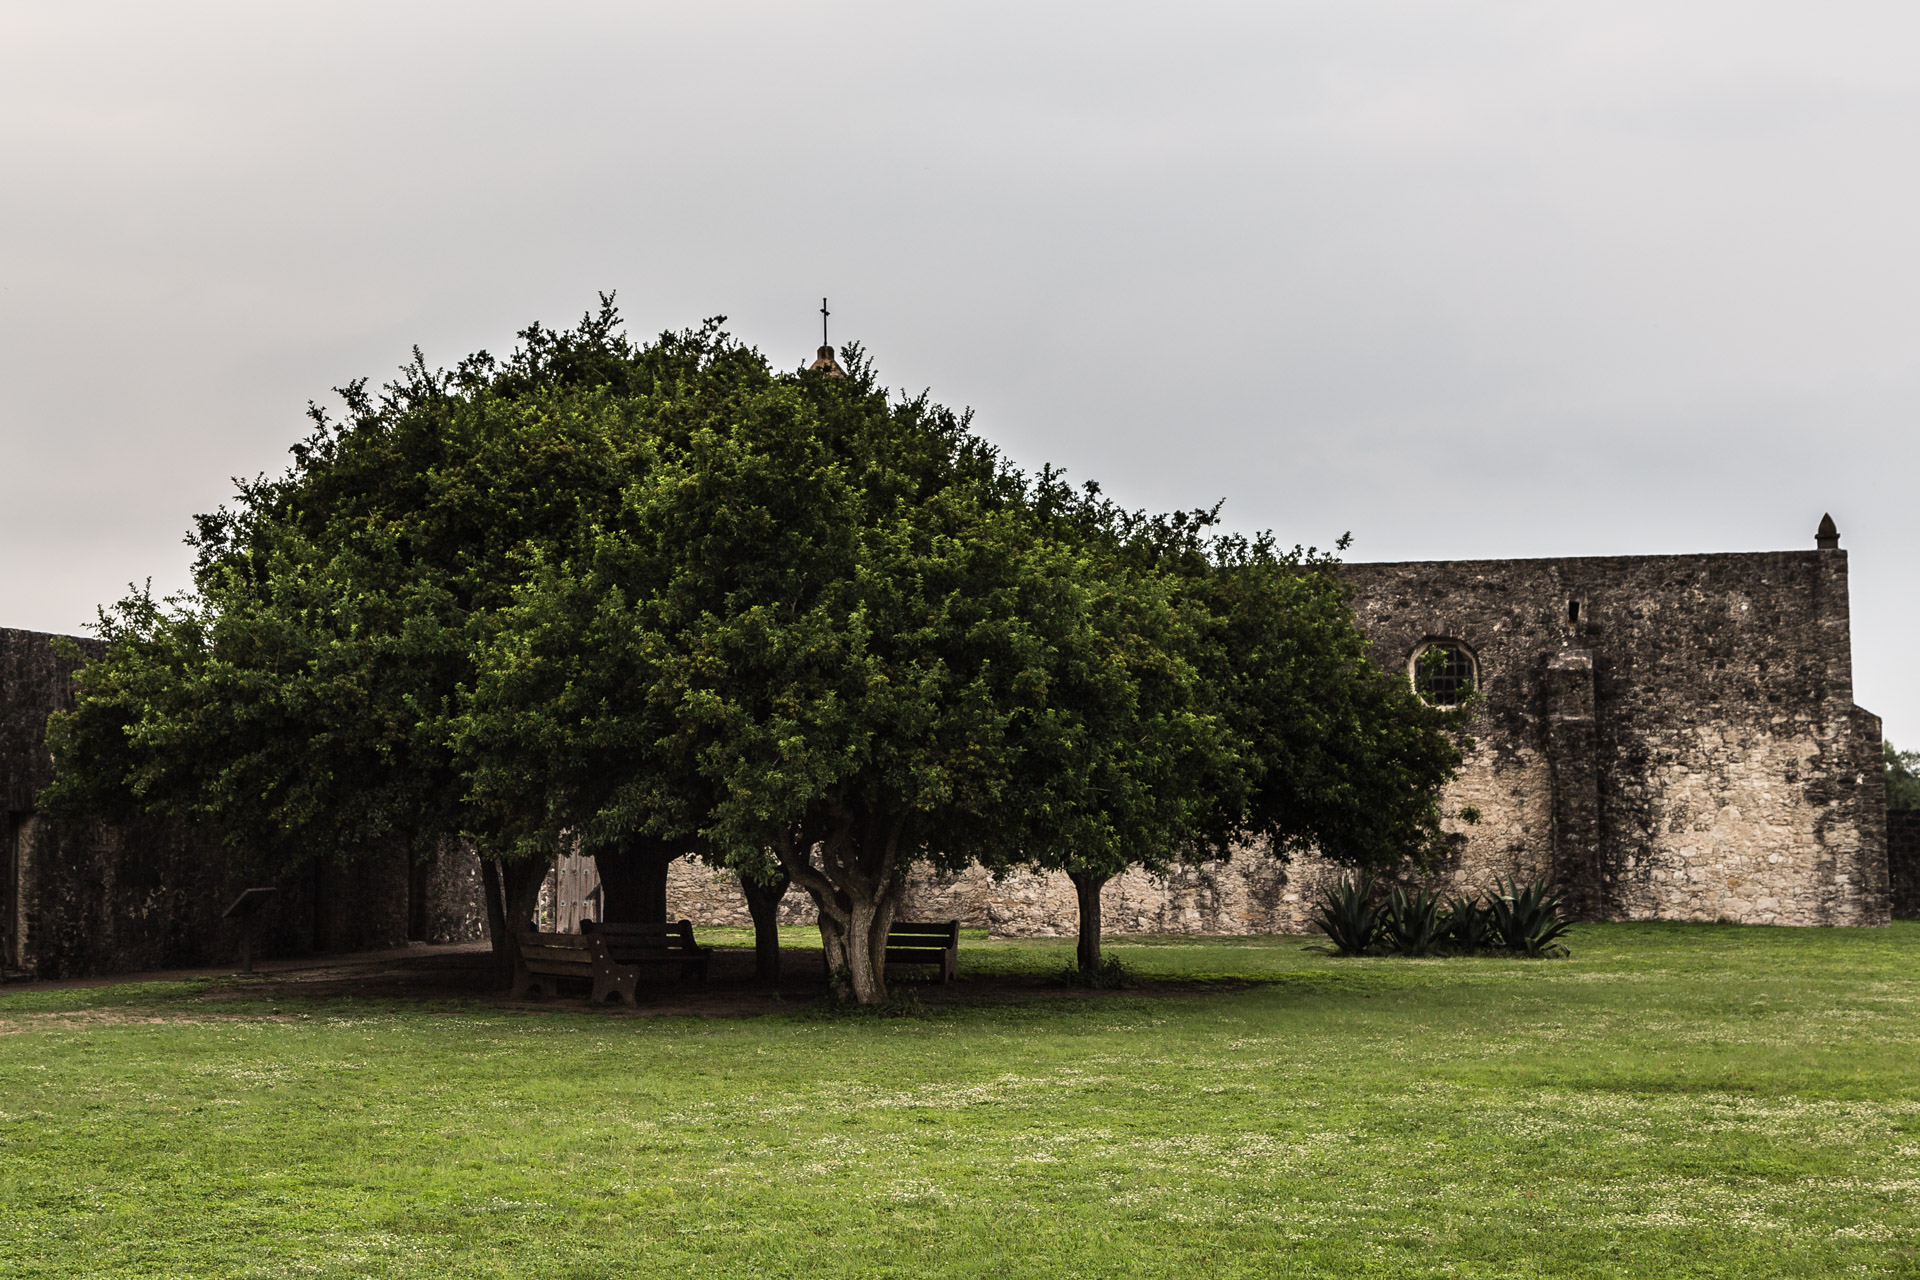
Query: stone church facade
1669	737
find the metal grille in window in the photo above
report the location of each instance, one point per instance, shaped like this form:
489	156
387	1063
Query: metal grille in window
1443	674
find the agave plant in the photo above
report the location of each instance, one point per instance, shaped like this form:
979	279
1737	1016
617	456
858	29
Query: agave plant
1412	924
1469	925
1528	920
1346	915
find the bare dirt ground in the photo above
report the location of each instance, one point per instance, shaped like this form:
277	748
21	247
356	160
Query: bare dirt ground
464	973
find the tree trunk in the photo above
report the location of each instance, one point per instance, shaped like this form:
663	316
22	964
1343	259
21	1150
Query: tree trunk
1086	888
853	932
633	880
522	881
833	945
763	904
497	921
512	892
855	884
866	970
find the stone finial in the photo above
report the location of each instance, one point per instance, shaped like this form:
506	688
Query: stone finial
825	363
1827	538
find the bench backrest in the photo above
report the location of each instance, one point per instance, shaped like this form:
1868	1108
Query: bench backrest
923	935
557	953
673	937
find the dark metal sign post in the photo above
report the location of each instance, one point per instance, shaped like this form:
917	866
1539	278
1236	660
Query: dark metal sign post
244	909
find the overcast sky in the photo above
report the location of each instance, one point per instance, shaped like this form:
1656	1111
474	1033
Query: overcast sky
1467	279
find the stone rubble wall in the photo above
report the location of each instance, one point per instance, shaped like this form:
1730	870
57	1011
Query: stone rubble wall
1248	894
101	898
86	898
454	905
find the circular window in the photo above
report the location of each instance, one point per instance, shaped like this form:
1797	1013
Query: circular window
1442	672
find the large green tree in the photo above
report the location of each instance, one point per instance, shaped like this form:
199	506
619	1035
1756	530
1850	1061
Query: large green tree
825	623
816	634
302	696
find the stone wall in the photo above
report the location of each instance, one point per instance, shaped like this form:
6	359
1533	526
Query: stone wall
1249	894
1903	863
86	898
1670	737
1674	737
447	899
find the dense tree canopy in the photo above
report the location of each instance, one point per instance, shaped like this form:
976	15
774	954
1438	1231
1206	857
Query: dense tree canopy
1902	769
1238	710
610	595
810	633
303	695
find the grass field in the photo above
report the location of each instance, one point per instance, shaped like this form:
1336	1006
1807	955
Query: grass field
1673	1100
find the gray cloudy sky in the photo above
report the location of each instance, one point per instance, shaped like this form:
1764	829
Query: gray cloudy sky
1469	279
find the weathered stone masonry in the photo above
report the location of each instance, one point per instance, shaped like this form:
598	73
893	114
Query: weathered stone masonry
1671	737
96	897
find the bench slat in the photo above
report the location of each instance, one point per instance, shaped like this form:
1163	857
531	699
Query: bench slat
556	955
564	964
677	936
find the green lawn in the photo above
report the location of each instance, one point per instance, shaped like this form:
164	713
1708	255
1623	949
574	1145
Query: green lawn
1673	1100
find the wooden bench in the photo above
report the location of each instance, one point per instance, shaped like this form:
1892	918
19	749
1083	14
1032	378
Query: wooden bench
545	958
637	944
925	942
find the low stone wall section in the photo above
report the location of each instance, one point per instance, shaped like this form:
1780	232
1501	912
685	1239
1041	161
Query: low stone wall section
1250	893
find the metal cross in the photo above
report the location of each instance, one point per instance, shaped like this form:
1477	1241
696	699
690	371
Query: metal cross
824	313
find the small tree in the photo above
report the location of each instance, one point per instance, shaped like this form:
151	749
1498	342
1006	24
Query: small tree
1903	777
1134	757
1236	704
1338	756
1149	759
